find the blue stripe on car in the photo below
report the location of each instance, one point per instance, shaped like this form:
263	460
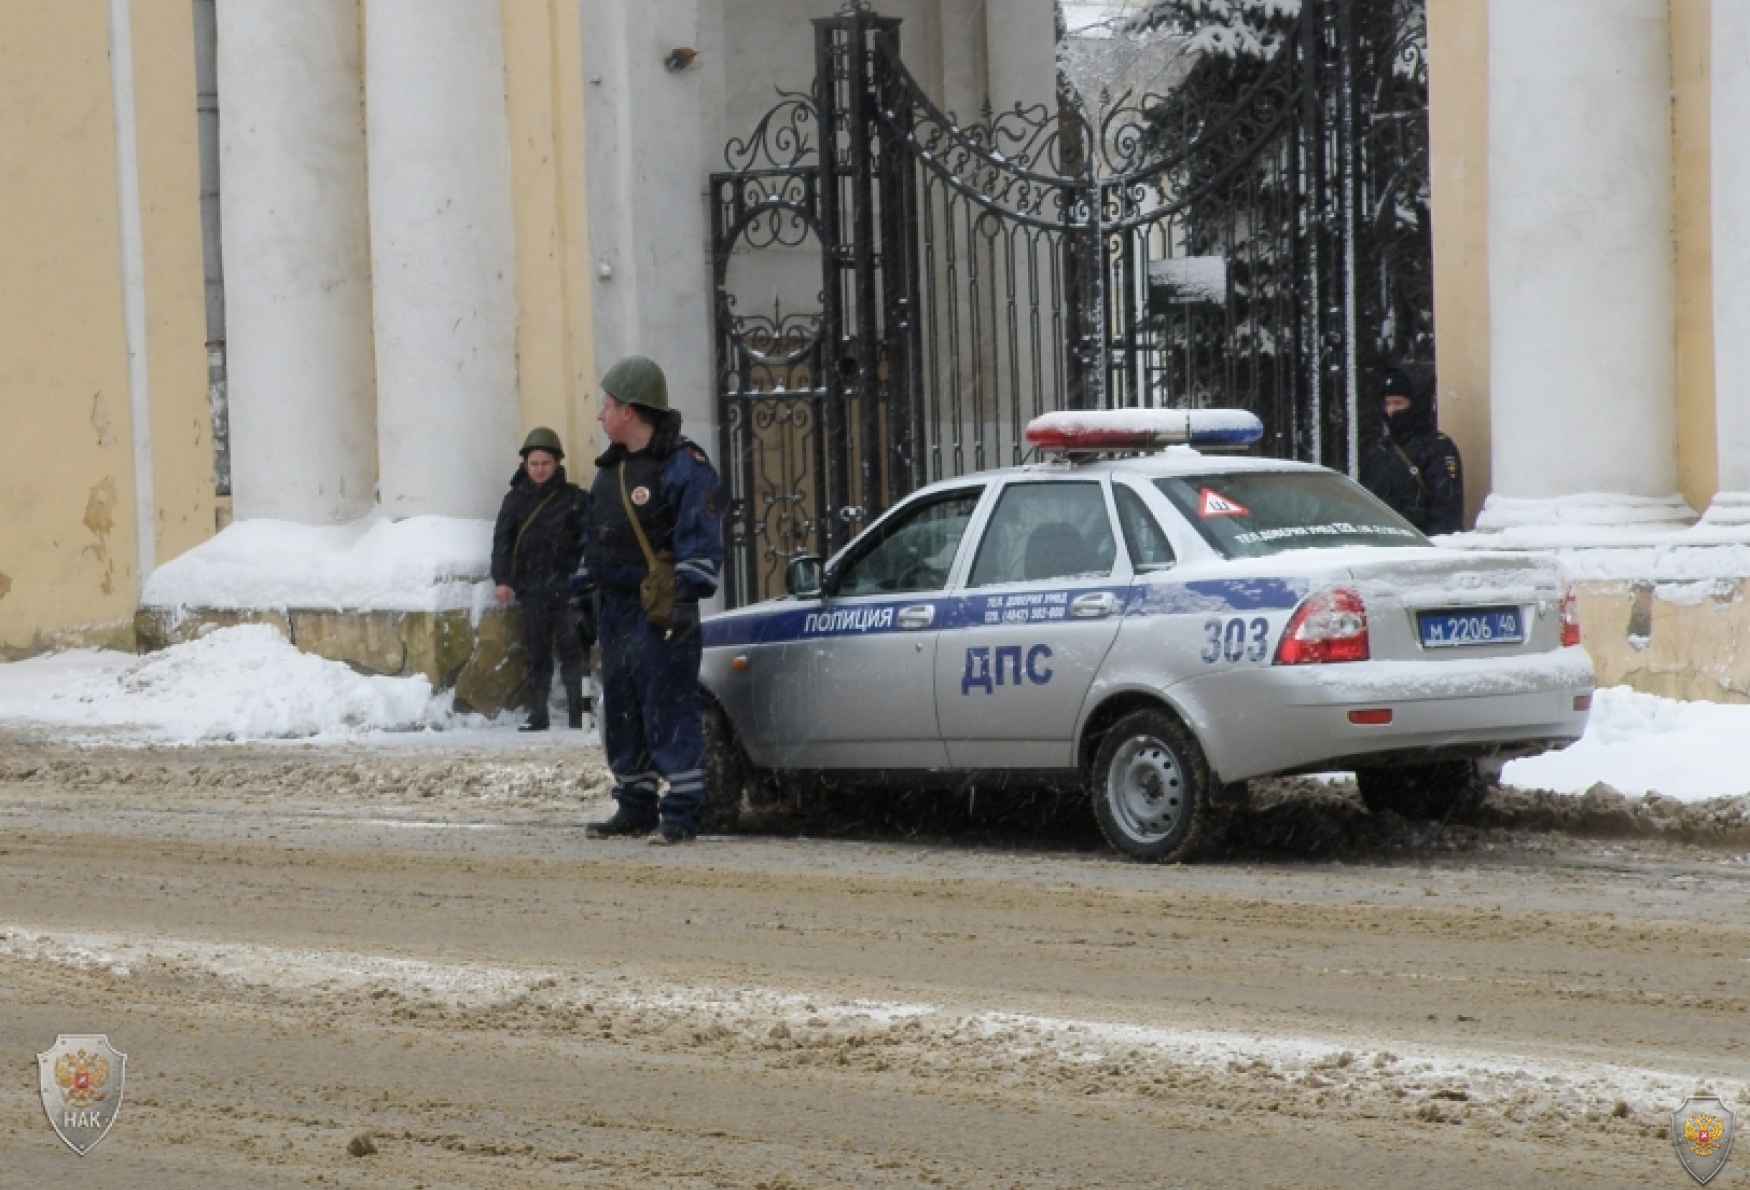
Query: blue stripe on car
1008	607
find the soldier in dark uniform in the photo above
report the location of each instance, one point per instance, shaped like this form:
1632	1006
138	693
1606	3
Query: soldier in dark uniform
653	482
535	549
1414	467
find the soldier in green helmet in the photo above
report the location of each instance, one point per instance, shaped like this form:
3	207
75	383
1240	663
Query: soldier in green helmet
535	548
654	549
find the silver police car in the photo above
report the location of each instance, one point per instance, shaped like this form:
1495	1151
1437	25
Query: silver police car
1155	625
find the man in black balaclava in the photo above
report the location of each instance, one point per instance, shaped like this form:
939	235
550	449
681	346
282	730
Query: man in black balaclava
1414	467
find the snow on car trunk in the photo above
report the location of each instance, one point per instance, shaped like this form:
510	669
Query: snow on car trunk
1436	605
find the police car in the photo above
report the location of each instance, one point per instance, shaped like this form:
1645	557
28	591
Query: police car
1142	618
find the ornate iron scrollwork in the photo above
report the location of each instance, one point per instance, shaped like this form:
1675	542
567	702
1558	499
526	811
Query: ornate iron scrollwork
1255	235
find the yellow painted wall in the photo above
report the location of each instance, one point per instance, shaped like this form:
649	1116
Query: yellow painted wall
556	371
66	479
1697	447
176	318
67	548
1458	119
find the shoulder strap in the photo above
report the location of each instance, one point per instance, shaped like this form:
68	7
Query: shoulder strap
517	549
1415	471
637	526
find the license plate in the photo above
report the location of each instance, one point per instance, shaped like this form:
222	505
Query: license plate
1472	626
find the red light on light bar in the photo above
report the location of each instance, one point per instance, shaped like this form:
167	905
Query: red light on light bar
1061	438
1377	717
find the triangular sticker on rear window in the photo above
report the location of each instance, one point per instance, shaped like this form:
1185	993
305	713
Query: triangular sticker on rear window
1213	504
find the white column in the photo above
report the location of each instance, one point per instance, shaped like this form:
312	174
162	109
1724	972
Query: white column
443	255
652	145
1730	115
297	260
1581	268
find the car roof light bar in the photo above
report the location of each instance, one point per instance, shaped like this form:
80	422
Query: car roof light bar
1107	431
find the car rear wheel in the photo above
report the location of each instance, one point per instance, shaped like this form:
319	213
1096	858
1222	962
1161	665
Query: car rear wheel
1152	789
1448	791
726	772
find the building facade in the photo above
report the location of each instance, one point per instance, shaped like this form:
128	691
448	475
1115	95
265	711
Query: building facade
326	262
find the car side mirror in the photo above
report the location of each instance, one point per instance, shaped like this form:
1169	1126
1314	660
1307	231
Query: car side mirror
804	577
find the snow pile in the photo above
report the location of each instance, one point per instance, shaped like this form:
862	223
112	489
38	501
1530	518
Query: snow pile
1639	743
243	683
424	563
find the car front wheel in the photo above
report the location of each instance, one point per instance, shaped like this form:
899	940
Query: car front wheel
726	773
1152	789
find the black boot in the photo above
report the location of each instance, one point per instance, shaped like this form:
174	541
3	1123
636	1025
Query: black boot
575	704
621	825
537	720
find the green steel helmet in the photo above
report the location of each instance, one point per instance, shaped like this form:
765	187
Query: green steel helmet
636	380
541	438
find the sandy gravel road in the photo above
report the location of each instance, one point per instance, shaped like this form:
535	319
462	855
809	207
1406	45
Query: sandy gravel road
298	948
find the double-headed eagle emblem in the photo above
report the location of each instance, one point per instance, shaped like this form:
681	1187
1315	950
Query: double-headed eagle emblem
81	1077
1701	1130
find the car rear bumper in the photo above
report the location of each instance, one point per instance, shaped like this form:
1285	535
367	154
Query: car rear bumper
1276	719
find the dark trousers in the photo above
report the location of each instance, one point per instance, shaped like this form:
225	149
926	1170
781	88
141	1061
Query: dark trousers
547	626
650	714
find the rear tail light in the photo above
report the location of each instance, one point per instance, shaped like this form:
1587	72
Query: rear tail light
1327	626
1570	618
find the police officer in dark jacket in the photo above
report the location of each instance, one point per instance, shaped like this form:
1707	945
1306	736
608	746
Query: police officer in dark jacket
1414	467
535	548
655	483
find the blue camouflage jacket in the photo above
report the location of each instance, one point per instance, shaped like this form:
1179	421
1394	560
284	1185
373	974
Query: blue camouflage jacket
675	491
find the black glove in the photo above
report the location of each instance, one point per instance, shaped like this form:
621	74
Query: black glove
683	621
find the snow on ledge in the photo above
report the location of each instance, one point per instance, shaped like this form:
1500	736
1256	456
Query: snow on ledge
1609	538
421	564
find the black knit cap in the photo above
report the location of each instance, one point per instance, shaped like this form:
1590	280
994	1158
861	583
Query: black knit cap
1396	382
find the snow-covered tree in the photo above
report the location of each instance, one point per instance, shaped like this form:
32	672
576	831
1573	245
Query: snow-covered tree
1223	28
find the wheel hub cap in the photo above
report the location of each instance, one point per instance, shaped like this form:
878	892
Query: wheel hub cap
1146	788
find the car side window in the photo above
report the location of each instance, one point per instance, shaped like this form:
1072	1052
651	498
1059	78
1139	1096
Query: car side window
1046	531
913	551
1143	536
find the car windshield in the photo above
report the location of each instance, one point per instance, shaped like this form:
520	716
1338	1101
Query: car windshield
1251	514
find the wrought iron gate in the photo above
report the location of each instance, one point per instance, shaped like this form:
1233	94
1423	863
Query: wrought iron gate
1257	237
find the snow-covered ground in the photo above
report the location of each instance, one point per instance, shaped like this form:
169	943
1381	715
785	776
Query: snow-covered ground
243	683
248	683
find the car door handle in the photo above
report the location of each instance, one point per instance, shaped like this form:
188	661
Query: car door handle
1093	605
919	615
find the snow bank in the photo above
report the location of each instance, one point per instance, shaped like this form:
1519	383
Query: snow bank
1638	743
424	563
244	683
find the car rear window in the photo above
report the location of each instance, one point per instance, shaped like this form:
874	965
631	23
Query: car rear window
1251	514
